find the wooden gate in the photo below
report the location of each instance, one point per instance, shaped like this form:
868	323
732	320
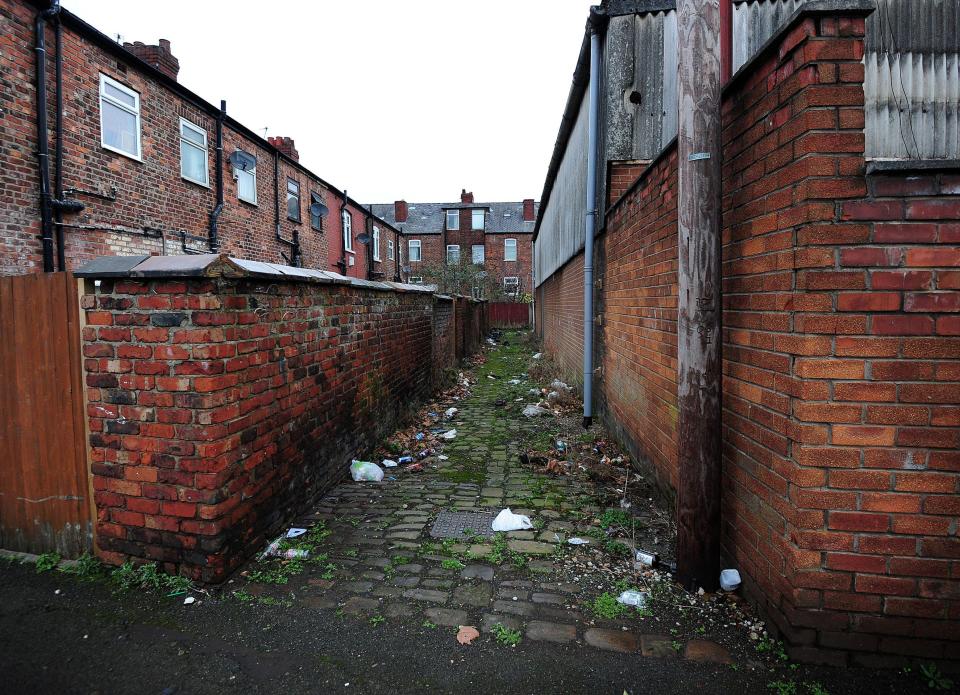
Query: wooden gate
509	315
45	493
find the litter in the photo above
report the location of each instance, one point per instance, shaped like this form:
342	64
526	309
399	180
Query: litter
452	434
538	356
491	376
188	600
366	471
578	541
405	459
491	341
534	392
633	598
514	382
294	553
419	436
450	412
424	454
442	457
388	463
296	532
508	521
535	410
467	634
415	468
559	385
644	559
729	580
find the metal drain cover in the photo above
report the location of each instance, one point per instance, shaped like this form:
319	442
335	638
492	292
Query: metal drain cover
458	524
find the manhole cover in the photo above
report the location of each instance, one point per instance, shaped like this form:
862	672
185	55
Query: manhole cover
459	524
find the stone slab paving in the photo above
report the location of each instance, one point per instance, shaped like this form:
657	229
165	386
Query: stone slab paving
417	548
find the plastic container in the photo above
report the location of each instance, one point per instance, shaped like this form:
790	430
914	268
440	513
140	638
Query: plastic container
729	580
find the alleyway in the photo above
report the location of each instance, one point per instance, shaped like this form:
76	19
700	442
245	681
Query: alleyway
377	605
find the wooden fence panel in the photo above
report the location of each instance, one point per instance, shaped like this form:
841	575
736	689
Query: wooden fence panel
508	315
44	486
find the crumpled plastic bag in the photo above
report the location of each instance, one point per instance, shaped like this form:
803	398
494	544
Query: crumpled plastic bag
508	521
365	470
535	410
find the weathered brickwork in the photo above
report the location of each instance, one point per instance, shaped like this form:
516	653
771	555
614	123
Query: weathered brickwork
841	357
559	317
153	202
219	407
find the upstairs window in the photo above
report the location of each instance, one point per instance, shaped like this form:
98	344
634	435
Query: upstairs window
246	184
315	220
376	243
413	250
293	200
477	253
477	218
453	254
346	221
390	254
509	249
119	118
453	219
193	153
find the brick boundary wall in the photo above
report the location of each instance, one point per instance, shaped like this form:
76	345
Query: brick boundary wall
220	407
841	356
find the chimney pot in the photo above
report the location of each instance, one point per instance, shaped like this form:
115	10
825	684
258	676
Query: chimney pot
528	215
466	198
286	146
400	210
159	56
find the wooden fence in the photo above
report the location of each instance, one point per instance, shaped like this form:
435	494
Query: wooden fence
45	502
509	315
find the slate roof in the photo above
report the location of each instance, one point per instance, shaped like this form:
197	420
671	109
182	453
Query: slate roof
428	218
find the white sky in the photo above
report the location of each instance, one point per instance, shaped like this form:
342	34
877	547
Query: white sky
389	99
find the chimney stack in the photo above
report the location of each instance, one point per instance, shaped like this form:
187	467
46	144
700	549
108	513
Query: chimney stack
285	145
466	198
528	214
158	56
400	210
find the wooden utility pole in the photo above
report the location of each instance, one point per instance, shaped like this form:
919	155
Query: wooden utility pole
698	329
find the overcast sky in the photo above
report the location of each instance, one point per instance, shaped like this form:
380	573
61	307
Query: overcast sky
389	99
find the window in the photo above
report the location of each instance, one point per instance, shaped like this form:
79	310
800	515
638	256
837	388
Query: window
511	285
509	249
119	118
453	219
476	254
346	221
293	200
246	183
376	243
390	255
477	218
415	280
453	254
413	250
193	153
315	220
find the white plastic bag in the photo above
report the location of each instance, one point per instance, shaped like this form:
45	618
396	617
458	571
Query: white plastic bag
633	598
449	435
365	470
450	412
508	521
535	411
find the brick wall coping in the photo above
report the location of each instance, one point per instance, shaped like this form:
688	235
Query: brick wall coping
211	265
905	166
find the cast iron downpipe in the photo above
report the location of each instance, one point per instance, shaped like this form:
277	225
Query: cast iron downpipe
593	120
43	152
58	145
343	246
294	244
214	241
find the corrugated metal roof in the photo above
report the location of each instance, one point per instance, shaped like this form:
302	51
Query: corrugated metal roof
429	218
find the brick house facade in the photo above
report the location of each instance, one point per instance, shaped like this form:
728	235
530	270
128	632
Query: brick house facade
499	235
139	153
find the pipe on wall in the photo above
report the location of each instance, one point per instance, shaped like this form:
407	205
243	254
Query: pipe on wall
593	144
214	240
43	150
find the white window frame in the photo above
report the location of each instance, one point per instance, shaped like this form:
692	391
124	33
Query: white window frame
482	215
473	254
508	245
184	123
390	253
135	112
346	229
455	216
253	174
453	247
293	183
415	280
376	243
411	245
511	287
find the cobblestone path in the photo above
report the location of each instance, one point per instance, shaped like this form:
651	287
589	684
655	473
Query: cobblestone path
378	561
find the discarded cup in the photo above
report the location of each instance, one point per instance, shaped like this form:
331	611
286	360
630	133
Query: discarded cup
633	598
729	580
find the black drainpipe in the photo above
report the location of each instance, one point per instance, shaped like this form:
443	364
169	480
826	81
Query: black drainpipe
368	228
294	245
343	246
58	146
214	241
396	254
43	152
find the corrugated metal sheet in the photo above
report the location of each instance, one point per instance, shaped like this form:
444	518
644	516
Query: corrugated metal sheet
562	227
912	72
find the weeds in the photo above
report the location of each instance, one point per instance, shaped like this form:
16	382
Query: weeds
452	564
934	679
783	687
506	636
429	625
606	606
87	568
47	562
377	620
128	576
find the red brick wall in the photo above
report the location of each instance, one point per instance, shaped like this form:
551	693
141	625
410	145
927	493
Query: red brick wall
499	268
560	317
150	193
621	175
220	407
841	357
432	252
